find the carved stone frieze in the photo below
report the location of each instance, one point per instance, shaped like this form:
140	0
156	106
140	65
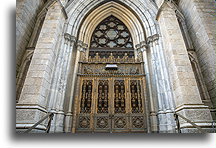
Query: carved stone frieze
112	59
129	69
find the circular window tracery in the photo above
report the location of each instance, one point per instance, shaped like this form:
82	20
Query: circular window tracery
111	33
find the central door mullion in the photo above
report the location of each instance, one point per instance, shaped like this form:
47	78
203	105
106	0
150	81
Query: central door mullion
94	102
111	102
127	100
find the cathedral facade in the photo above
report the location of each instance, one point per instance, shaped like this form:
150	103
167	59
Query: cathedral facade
115	66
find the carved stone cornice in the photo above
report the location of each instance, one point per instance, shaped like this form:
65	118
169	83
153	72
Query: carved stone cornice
111	75
112	59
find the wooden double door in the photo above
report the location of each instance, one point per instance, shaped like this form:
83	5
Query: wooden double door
111	105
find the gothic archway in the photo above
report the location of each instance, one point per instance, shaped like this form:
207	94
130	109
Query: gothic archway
111	83
145	35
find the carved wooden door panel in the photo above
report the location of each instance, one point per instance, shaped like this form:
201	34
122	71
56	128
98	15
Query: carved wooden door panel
85	106
102	122
137	106
111	113
111	105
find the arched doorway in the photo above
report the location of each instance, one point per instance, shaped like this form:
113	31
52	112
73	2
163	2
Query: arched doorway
111	83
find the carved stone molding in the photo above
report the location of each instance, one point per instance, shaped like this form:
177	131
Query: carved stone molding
111	59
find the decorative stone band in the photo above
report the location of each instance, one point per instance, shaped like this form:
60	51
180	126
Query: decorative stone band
201	124
191	106
24	106
165	112
111	75
27	126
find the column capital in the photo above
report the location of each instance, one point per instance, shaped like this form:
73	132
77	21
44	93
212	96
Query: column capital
82	47
69	37
153	38
141	46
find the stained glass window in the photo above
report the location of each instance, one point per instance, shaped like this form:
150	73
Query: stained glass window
111	33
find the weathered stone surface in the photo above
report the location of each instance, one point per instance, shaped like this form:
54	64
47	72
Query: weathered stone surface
26	16
201	22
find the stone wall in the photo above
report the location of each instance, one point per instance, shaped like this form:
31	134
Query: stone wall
201	22
33	99
186	94
26	15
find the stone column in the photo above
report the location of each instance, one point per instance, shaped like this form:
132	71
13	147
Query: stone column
65	82
166	105
150	101
33	99
186	94
56	87
80	52
57	94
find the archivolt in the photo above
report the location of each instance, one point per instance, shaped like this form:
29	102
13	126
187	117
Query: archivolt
85	16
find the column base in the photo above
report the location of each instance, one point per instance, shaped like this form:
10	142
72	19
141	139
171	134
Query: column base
166	122
27	116
68	123
198	114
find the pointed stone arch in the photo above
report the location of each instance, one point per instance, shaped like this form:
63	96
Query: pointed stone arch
139	17
117	10
127	11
